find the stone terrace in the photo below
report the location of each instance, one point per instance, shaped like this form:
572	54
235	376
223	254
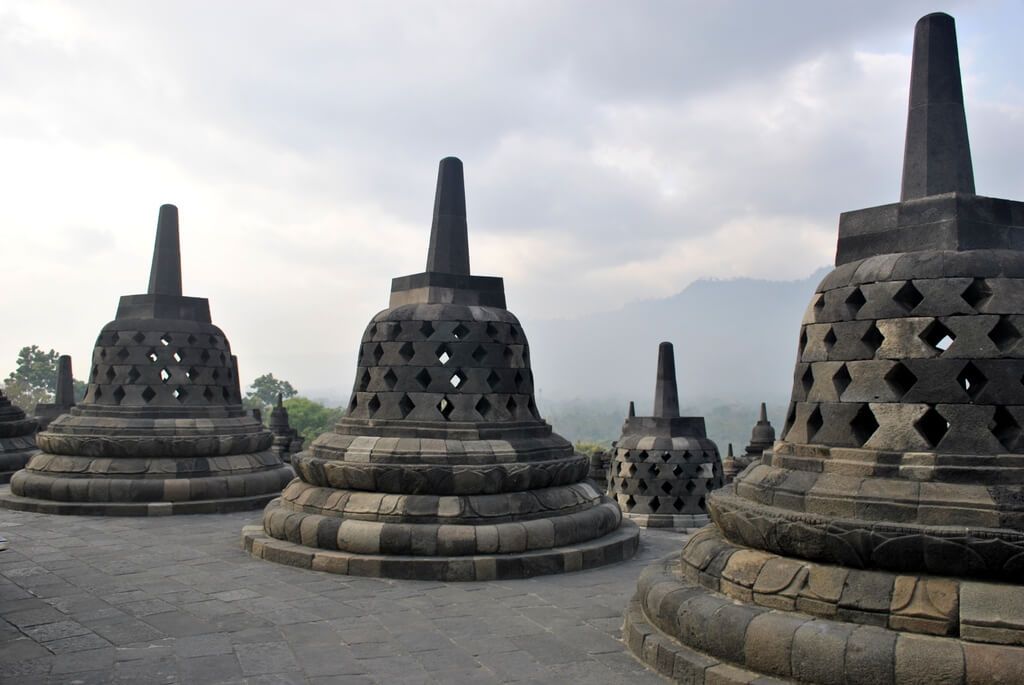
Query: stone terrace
176	600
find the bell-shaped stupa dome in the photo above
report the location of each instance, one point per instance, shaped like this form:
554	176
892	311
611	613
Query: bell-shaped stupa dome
17	438
161	428
882	538
443	467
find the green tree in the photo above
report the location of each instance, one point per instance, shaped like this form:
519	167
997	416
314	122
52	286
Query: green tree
34	378
311	418
263	393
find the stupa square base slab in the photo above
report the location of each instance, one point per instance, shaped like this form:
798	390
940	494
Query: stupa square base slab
209	506
614	547
678	522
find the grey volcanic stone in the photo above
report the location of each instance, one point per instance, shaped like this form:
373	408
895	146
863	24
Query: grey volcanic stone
161	429
17	438
442	467
64	398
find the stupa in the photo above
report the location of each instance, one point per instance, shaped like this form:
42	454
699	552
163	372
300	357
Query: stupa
161	429
881	540
730	466
664	465
17	438
286	439
64	398
443	467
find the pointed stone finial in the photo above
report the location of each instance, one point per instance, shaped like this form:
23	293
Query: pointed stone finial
666	396
730	455
763	416
65	383
165	274
937	156
632	409
280	400
449	240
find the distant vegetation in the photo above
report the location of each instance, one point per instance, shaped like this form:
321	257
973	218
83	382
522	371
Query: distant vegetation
34	380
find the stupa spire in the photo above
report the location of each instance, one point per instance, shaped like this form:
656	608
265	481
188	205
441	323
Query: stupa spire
937	156
666	396
449	241
165	274
65	383
763	416
632	409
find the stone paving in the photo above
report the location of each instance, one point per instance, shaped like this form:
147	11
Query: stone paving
176	600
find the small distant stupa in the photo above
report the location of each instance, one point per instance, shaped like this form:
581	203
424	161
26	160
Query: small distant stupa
17	438
286	439
64	398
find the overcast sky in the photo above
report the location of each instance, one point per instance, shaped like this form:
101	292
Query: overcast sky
614	152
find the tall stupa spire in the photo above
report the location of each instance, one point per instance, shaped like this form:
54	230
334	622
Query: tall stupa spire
165	274
449	240
666	396
937	157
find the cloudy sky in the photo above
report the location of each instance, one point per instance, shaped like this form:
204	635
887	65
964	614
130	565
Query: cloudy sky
614	151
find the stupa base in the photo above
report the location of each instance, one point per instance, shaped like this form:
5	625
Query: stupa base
728	614
677	522
616	546
224	505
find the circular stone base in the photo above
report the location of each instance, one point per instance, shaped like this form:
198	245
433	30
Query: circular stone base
679	522
208	506
617	546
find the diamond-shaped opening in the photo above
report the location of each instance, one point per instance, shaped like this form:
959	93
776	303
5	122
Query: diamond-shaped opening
483	407
687	455
192	374
1004	334
937	336
819	305
405	405
518	380
165	375
531	406
677	470
666	487
208	394
123	353
665	456
446	408
854	301
977	293
654	504
373	405
814	423
908	297
803	342
511	406
972	380
807	380
139	337
873	338
655	470
900	379
690	486
643	455
177	356
133	375
493	379
191	339
790	419
364	380
423	378
830	339
95	374
426	329
111	374
103	353
407	351
180	394
641	485
226	394
841	380
514	333
370	332
99	392
148	394
378	352
353	403
932	426
492	331
631	470
205	356
443	354
508	354
630	502
863	425
1005	428
390	379
679	504
391	330
479	354
166	339
460	332
118	394
702	503
215	375
152	356
457	379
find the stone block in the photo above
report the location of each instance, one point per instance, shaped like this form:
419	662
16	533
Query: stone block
926	659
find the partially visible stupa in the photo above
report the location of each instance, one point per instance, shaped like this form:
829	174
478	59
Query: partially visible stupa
17	438
762	437
161	429
881	540
443	468
286	439
664	465
63	399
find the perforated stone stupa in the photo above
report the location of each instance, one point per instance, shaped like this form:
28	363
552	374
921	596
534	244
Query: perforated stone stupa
882	539
664	465
286	439
762	437
443	468
161	429
64	398
17	438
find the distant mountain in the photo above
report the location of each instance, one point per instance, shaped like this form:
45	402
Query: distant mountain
735	343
